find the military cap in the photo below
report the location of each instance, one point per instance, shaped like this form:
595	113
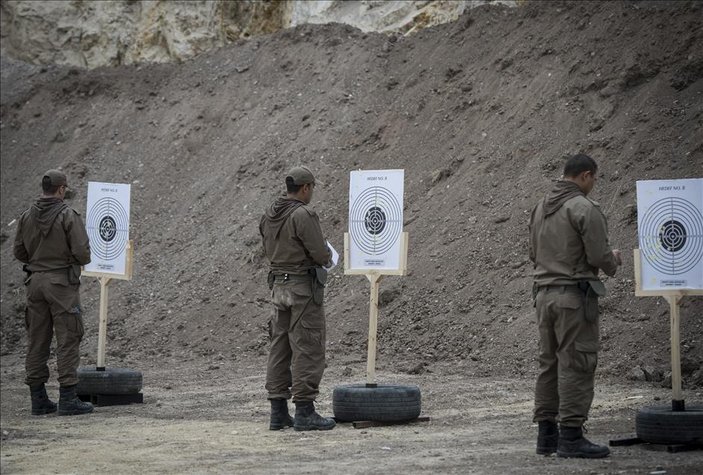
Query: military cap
301	176
57	177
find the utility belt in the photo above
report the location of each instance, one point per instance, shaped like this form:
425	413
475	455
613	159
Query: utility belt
561	288
48	271
317	277
73	273
286	277
589	288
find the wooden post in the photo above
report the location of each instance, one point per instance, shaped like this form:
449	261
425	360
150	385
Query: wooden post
375	280
674	297
104	278
375	277
102	325
677	395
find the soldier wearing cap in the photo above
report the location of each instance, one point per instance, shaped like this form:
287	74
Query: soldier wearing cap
297	251
52	243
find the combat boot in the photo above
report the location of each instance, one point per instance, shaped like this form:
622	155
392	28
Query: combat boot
41	404
547	437
572	443
306	418
70	404
280	418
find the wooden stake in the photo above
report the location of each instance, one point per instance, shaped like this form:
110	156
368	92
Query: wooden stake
674	297
375	279
102	326
677	395
104	278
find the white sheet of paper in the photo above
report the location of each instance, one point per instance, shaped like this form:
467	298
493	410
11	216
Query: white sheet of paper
335	256
375	219
670	229
107	224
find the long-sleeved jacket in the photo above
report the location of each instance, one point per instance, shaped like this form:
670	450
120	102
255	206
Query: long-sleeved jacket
51	236
292	237
569	241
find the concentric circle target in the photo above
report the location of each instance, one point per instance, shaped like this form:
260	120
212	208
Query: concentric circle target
108	228
671	236
375	220
107	224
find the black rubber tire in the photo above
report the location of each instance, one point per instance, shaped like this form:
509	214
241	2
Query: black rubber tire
110	381
384	403
661	425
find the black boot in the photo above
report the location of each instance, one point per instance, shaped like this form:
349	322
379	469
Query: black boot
306	418
572	443
41	404
547	437
280	418
70	404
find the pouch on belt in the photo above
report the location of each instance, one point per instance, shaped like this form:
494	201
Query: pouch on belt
74	274
318	284
28	278
592	289
269	280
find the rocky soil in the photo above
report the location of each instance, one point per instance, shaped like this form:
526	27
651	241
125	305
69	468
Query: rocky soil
480	113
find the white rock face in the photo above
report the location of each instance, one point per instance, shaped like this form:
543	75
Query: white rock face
90	33
384	16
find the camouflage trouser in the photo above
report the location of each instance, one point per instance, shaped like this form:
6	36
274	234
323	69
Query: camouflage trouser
568	330
297	354
53	305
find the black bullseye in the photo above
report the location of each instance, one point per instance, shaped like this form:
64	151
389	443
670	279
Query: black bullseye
375	220
107	224
672	235
108	228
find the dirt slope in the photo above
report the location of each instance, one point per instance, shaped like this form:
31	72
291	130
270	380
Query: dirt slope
480	113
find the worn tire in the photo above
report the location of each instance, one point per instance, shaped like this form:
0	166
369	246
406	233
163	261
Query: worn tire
110	381
661	425
384	403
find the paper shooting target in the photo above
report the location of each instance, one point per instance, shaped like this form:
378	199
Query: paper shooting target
671	236
670	228
107	224
375	220
108	228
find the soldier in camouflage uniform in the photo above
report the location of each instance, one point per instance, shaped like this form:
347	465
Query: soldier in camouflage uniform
52	242
294	245
568	245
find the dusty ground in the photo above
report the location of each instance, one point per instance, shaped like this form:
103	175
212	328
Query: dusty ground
479	113
219	425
